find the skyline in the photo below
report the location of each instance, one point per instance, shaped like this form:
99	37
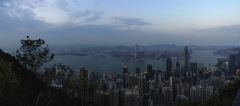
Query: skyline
68	22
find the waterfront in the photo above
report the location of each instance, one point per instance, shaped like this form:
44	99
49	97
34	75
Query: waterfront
111	64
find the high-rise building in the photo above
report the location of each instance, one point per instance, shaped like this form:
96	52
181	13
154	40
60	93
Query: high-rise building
150	72
169	67
125	70
135	51
178	70
193	69
83	73
186	58
174	62
232	63
83	83
125	76
137	70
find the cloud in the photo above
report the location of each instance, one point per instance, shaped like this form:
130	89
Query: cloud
223	29
94	17
65	12
51	11
61	22
222	32
129	22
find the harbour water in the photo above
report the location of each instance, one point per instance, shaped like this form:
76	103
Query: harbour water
111	64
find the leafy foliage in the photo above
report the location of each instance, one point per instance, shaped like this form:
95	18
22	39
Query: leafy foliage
32	54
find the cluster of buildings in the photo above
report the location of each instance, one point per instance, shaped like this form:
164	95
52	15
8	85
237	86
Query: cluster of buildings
182	81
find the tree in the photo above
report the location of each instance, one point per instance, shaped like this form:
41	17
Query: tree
33	54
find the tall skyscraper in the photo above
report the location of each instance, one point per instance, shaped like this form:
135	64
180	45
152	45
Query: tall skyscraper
135	51
169	67
186	58
232	63
193	67
137	70
125	76
83	83
150	72
125	70
83	73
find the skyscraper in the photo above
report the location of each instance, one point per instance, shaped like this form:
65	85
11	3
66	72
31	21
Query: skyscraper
125	70
150	72
169	67
232	65
135	51
125	76
137	70
83	73
83	83
178	70
186	58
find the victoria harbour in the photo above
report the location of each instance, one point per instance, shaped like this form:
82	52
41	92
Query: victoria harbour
111	64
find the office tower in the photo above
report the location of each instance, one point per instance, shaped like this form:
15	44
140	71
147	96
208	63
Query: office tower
133	81
125	70
174	62
92	77
178	70
193	69
83	85
169	67
141	82
186	58
83	73
135	51
159	76
150	72
125	76
232	64
137	70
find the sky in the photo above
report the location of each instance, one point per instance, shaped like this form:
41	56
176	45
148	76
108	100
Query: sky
121	22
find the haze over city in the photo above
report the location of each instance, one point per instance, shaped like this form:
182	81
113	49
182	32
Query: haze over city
121	22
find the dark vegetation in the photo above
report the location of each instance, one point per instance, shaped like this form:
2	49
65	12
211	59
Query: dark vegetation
22	87
25	82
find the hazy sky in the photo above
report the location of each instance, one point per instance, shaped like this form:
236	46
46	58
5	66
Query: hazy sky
102	22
